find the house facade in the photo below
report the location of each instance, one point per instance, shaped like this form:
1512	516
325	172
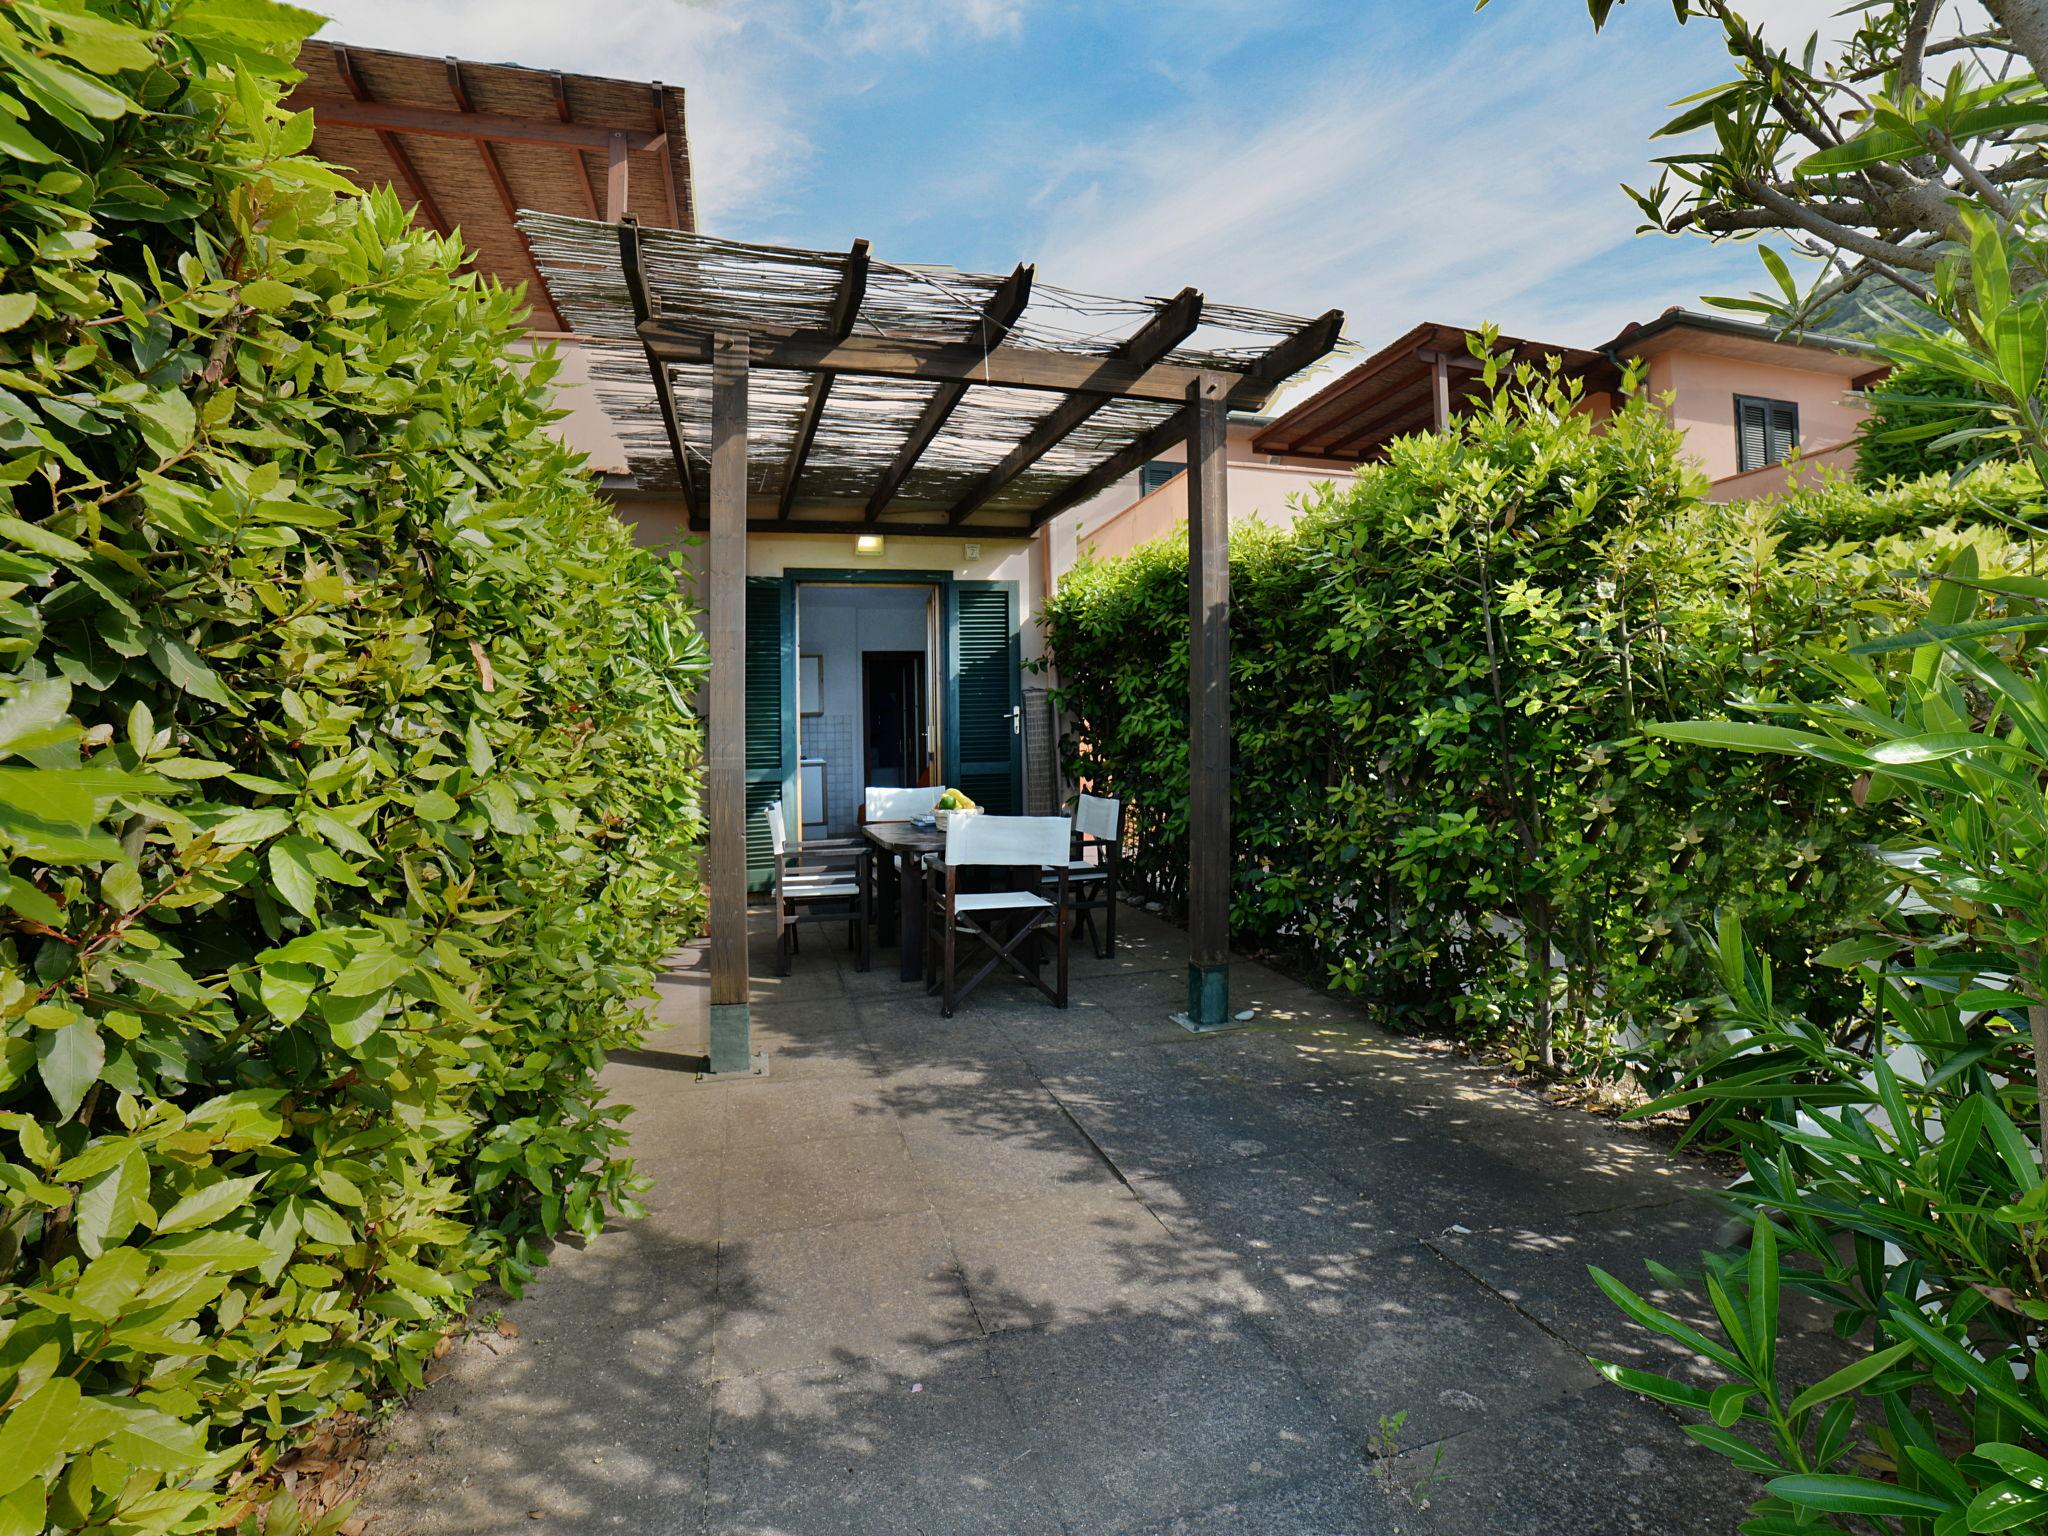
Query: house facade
1758	413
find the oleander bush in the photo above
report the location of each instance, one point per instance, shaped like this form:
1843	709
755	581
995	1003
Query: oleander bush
347	782
1444	795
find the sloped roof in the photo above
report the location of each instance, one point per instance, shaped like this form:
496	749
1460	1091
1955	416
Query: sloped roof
469	144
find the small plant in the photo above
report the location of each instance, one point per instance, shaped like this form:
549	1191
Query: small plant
1384	1445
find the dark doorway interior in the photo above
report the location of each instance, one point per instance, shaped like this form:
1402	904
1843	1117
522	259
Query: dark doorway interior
893	727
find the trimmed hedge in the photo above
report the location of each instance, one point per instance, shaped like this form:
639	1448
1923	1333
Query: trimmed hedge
347	783
1440	678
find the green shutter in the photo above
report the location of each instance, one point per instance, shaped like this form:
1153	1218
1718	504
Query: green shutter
985	698
770	725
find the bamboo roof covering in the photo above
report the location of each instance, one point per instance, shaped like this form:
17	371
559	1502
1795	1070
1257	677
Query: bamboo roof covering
469	144
897	397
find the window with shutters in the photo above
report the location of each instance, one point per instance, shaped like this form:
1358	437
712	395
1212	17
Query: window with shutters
1154	475
1766	431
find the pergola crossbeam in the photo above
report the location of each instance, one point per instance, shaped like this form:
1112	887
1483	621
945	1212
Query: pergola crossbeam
1130	458
853	286
1282	361
388	119
370	110
997	316
495	170
664	388
1170	325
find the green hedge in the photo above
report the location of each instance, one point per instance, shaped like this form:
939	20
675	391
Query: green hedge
1440	678
346	779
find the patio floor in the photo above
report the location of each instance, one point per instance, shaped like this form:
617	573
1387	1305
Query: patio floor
1026	1271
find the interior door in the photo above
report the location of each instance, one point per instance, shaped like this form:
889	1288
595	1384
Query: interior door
771	713
987	714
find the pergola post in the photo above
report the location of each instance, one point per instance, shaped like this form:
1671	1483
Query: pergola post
1209	848
726	841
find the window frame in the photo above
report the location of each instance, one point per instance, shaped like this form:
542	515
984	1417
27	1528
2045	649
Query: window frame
1770	404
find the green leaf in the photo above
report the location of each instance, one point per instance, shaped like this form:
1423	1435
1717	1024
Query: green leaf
149	1437
371	972
208	1204
183	666
37	716
286	987
1850	1377
33	536
37	1430
111	1202
1839	1494
291	867
2003	1506
2017	1463
1738	735
69	1061
16	309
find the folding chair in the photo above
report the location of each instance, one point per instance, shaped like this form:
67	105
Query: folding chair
817	886
1008	924
888	804
1098	829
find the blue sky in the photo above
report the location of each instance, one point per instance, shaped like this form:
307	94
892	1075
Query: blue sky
1402	161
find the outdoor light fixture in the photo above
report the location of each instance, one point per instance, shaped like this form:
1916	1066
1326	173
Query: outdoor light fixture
868	544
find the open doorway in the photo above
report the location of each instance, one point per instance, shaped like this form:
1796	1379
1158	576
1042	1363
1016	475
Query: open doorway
895	738
867	675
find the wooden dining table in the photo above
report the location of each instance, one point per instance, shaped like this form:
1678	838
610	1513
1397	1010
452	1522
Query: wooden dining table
904	845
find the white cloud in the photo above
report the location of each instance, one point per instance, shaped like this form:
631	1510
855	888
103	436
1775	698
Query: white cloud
883	26
1401	183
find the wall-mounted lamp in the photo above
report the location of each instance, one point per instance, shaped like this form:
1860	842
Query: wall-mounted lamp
868	545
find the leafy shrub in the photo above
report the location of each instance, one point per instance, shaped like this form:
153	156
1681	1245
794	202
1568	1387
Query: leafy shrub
1441	676
1894	1164
1911	409
345	777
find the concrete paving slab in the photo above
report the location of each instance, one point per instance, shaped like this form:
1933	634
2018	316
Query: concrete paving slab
1080	1257
824	1295
996	1148
924	1442
781	1112
1136	1420
1406	1332
777	1188
1281	1213
1150	1116
1347	1502
1597	1463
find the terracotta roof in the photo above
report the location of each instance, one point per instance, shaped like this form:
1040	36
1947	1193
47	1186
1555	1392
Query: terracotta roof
470	144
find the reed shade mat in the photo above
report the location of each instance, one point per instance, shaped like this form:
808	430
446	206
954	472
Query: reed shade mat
1012	410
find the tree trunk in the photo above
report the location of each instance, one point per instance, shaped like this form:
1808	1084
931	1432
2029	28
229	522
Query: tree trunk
2026	23
2037	1020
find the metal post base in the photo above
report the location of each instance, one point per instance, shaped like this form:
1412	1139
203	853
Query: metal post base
732	1039
1208	1000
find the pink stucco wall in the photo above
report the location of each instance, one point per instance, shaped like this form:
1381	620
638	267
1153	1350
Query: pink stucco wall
1703	387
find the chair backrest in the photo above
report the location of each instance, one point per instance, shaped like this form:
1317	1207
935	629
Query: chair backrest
901	804
986	839
1097	817
777	836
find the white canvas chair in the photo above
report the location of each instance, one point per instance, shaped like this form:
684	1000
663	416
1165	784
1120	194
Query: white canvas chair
817	886
1008	924
1098	830
884	804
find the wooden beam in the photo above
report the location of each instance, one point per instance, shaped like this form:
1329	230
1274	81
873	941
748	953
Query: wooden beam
435	122
664	387
1285	359
1063	373
998	315
1209	847
615	175
575	152
725	852
668	168
407	171
506	201
1170	325
854	527
1387	416
1132	456
1440	389
853	287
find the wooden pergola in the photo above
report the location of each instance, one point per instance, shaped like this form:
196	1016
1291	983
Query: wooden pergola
789	391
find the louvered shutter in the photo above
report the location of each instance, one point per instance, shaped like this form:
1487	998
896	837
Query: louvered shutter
770	722
1784	430
985	694
1753	434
